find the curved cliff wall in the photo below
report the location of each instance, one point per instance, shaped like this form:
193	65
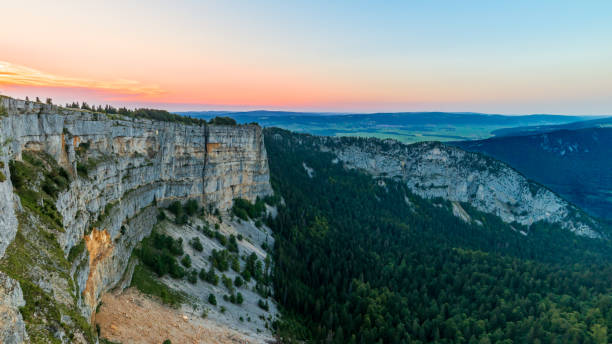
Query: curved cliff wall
131	164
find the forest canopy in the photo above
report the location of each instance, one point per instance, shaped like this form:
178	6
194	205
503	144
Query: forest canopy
358	261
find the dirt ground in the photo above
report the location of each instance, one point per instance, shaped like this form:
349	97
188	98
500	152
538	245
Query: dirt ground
131	317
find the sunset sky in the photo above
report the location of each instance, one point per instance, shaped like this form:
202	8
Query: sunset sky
513	57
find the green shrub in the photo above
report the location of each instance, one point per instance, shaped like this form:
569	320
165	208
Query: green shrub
220	259
82	149
82	170
212	299
222	121
238	281
221	238
2	177
192	277
144	281
209	276
253	268
239	298
167	341
176	208
227	282
49	187
186	261
196	244
25	176
244	209
159	251
263	305
232	244
241	213
76	250
208	232
191	207
235	264
20	174
246	274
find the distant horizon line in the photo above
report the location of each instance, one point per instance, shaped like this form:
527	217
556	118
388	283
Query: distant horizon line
330	113
324	113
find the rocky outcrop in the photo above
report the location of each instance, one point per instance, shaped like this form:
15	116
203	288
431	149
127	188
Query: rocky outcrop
12	327
432	169
8	202
120	168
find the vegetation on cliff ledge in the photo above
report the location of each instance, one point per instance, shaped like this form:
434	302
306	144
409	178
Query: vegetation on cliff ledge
35	255
144	280
244	209
38	181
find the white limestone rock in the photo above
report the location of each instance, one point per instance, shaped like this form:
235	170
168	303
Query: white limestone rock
12	327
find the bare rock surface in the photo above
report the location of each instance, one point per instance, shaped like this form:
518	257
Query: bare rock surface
246	318
12	327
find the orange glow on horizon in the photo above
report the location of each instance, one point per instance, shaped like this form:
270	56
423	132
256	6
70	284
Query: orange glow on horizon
17	75
288	91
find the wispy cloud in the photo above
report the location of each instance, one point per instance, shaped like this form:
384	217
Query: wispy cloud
17	75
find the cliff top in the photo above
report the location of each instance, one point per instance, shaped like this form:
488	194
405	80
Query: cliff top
11	107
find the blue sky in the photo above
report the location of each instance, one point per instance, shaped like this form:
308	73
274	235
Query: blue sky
364	56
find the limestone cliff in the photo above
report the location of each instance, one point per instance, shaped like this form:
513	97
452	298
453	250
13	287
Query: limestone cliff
12	328
119	167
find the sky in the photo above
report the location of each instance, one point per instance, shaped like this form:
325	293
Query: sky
508	57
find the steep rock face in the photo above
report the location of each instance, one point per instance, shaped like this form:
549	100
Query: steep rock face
12	327
432	169
8	201
120	167
231	170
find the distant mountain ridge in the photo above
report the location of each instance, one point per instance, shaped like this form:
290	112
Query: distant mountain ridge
407	127
540	129
423	116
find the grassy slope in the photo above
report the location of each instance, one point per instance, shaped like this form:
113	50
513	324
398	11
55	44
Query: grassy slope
35	256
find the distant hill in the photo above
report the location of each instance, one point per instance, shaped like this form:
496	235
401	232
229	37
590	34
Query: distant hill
575	163
407	127
539	129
